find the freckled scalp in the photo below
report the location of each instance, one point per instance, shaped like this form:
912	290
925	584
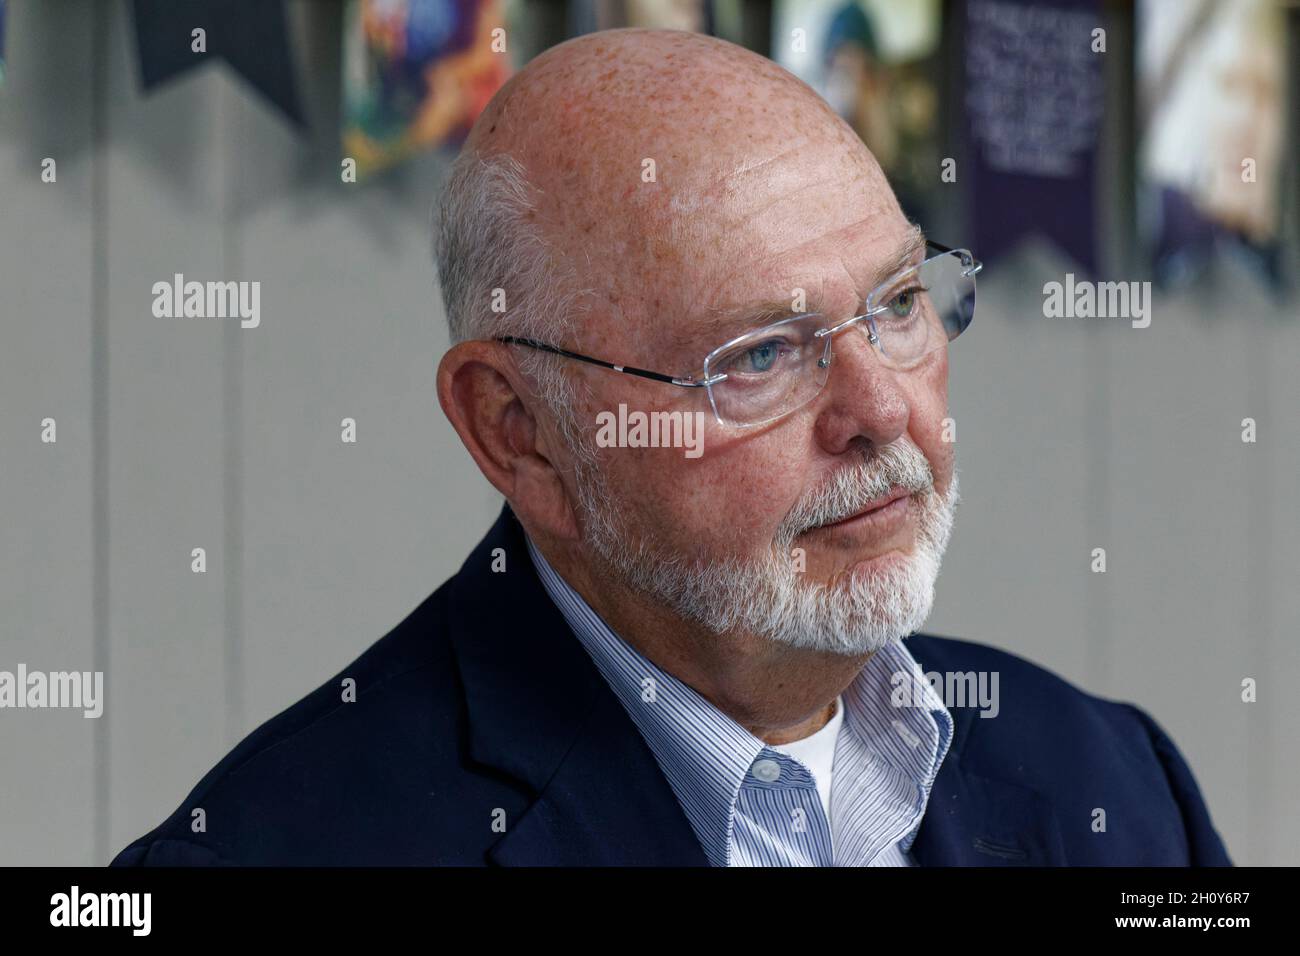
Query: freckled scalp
583	116
722	126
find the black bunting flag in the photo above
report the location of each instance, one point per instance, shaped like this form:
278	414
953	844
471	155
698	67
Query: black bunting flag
252	36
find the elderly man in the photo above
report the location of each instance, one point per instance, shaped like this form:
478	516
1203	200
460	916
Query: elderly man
682	642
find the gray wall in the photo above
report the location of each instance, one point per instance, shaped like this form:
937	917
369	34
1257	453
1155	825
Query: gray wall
176	434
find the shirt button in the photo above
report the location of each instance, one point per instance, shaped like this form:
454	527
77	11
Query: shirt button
768	771
911	738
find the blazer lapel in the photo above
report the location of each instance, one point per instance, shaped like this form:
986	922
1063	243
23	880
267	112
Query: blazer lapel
539	711
607	805
975	820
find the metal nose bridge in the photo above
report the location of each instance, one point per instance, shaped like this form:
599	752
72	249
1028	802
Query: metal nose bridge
872	337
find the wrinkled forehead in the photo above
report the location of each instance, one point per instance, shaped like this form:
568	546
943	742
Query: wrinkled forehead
707	252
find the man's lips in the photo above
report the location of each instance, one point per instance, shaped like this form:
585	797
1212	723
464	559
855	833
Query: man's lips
879	510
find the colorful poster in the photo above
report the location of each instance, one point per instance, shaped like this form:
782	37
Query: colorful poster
875	63
1212	94
417	73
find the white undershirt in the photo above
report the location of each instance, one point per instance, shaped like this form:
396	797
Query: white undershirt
817	753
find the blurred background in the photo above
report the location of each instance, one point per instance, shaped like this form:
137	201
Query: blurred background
304	146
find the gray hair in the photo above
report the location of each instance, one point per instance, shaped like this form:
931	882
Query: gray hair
484	241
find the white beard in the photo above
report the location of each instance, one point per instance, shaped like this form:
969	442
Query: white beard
853	614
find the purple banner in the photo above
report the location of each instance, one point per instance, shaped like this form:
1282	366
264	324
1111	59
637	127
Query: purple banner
1034	98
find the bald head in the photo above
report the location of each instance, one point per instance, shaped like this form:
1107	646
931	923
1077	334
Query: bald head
590	106
654	159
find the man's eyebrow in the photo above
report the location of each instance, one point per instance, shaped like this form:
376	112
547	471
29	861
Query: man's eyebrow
721	325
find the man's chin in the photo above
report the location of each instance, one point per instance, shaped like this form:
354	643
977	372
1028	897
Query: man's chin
873	602
872	567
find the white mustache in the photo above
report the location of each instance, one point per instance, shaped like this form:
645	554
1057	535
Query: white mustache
853	488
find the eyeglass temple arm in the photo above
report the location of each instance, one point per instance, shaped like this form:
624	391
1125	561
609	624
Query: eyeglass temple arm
626	369
977	265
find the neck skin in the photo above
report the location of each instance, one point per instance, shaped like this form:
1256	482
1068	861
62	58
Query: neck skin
778	693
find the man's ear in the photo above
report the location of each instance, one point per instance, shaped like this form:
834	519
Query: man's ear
483	395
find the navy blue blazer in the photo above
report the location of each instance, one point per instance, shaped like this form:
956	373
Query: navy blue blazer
482	733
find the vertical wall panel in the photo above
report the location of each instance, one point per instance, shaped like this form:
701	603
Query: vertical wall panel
47	757
165	420
1272	651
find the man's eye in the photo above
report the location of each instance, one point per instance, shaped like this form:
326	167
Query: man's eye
760	358
903	303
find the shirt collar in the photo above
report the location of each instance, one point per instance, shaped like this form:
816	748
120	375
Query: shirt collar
705	755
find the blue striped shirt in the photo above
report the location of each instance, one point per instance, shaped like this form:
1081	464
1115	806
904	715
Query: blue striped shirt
752	805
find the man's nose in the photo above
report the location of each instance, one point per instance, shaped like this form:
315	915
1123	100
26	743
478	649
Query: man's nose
864	398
